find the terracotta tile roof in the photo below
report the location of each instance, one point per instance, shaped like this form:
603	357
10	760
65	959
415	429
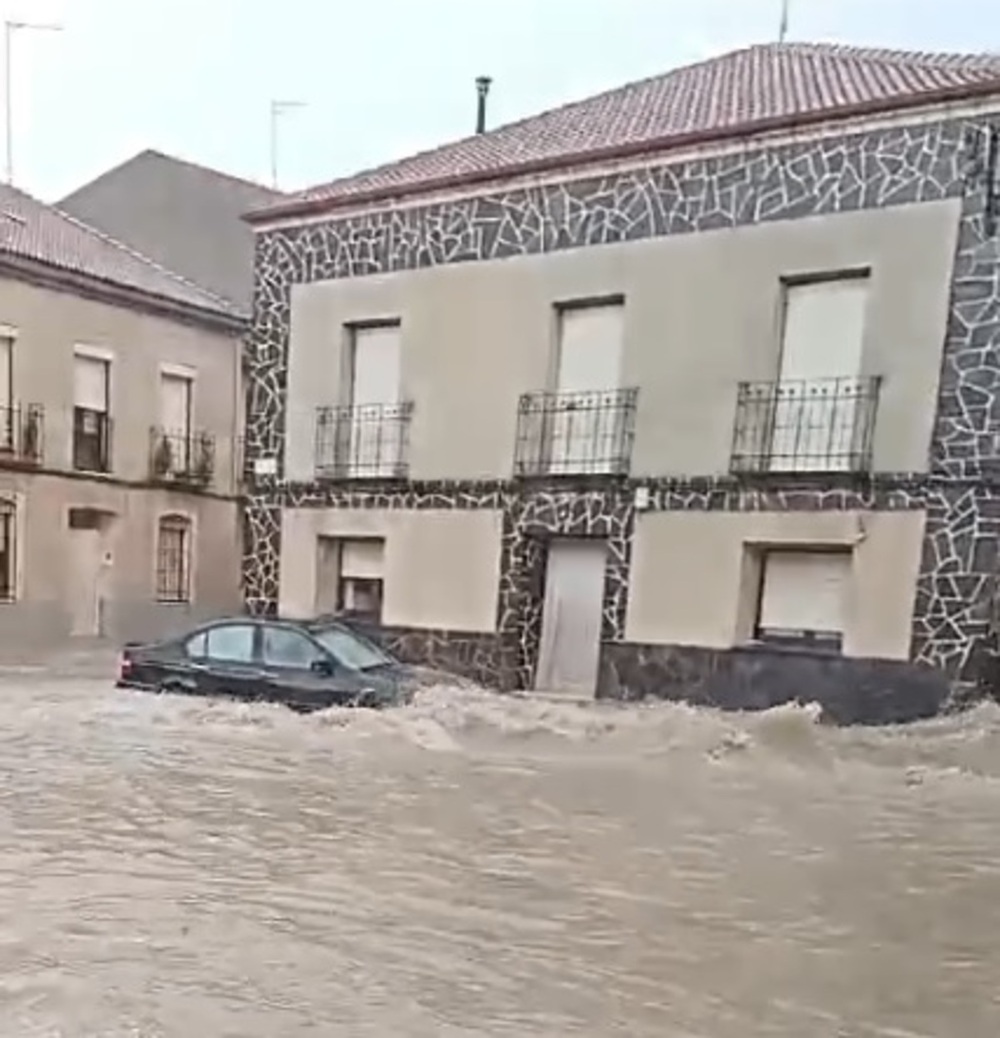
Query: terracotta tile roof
31	230
726	96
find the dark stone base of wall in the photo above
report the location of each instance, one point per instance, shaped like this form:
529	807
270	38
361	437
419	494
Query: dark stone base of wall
469	655
850	691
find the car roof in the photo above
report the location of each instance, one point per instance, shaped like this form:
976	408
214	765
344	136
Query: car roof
251	621
307	626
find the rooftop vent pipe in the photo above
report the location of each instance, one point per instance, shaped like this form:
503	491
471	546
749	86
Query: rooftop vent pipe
482	90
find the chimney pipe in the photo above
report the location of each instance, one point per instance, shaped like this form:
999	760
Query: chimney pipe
482	89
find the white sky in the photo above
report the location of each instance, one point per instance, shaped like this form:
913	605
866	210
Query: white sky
382	78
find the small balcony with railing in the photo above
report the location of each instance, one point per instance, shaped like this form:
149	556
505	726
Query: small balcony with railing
22	429
363	441
181	458
818	426
586	433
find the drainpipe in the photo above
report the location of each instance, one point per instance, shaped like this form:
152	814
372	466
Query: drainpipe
482	91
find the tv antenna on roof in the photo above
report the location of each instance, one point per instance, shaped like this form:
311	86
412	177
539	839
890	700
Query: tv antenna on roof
783	28
9	28
278	109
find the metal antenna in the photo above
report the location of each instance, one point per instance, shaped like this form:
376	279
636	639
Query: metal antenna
783	29
10	27
278	108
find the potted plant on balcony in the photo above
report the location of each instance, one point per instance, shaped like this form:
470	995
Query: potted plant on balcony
31	436
163	458
203	461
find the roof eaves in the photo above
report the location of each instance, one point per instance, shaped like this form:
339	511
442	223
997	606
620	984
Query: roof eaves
79	282
398	192
213	301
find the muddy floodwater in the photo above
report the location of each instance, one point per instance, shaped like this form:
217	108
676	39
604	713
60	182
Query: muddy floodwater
475	865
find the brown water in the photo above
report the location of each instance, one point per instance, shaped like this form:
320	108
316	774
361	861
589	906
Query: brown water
483	866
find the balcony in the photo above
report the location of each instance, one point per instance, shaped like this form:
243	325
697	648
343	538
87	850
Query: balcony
367	441
812	425
182	458
572	434
91	440
21	435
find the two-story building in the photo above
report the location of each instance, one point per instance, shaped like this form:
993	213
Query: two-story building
120	406
689	389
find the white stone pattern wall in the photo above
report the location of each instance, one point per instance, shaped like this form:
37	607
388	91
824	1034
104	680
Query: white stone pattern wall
952	627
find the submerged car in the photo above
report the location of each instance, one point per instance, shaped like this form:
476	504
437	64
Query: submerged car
305	666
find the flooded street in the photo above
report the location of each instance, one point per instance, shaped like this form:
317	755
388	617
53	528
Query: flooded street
482	866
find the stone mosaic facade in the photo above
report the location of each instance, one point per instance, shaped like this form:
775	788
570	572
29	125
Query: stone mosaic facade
953	620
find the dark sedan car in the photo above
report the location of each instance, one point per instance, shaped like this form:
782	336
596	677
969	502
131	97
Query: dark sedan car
264	660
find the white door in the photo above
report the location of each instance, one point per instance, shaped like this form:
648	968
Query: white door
85	576
571	617
90	400
819	387
586	426
175	418
376	443
175	404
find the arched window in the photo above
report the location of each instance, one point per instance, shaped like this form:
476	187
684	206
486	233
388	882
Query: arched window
173	559
8	550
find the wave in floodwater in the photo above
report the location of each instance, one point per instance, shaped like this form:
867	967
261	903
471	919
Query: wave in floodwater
475	864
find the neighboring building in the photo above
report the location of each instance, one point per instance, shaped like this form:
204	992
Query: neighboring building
120	401
184	216
689	389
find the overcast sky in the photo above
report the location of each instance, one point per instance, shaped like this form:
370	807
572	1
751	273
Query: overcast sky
381	78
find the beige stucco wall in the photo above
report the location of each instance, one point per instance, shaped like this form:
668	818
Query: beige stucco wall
702	313
48	326
694	581
441	566
44	602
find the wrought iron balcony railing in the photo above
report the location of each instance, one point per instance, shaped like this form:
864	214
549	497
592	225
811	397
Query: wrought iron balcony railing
22	431
91	440
178	457
568	434
367	441
810	425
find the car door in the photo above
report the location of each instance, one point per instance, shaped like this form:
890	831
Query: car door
289	658
229	665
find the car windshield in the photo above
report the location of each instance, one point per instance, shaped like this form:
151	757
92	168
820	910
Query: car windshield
352	650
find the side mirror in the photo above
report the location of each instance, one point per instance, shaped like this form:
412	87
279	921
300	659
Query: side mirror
323	665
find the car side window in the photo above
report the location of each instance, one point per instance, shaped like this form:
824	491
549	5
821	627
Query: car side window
197	646
284	647
232	643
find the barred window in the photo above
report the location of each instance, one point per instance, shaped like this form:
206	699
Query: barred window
8	554
173	550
